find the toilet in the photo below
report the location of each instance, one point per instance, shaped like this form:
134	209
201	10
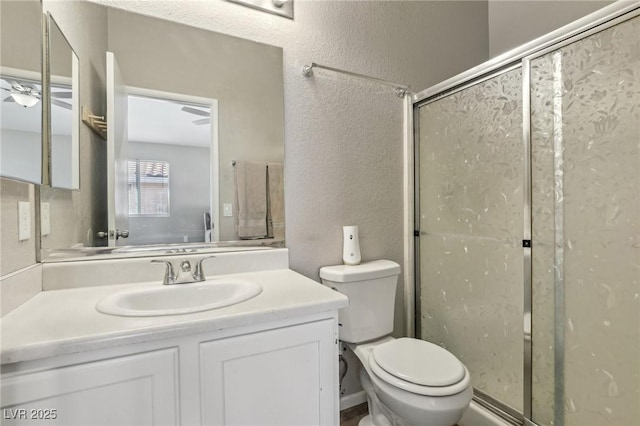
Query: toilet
407	381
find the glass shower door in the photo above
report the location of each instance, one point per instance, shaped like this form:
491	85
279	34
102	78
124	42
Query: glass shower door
581	145
585	141
471	222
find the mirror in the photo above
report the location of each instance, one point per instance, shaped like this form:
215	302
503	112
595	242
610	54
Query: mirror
21	91
64	109
230	85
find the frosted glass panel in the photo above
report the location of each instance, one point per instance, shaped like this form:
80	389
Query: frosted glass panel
471	305
586	223
471	222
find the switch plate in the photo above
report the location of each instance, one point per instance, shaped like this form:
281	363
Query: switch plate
45	221
24	220
227	209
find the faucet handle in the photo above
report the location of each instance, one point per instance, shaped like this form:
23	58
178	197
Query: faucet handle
169	275
198	273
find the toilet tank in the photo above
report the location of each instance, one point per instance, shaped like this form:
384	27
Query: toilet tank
371	289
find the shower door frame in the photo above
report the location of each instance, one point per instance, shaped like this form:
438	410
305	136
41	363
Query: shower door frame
520	57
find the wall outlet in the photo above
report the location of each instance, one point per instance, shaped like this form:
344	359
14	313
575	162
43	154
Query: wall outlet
227	209
24	220
45	219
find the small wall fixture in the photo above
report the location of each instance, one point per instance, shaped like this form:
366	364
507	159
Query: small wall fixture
276	7
97	123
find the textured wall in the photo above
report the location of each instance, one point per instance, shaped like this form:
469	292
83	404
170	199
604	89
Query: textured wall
15	254
514	22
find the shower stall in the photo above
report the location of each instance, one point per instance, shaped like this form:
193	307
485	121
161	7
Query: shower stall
527	176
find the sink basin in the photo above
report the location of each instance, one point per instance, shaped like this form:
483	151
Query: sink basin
178	299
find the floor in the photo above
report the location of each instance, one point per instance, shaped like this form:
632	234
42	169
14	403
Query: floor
351	416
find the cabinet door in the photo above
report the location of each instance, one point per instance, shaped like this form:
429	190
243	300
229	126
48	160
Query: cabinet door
132	390
286	376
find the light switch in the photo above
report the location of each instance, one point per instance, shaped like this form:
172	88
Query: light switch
24	220
227	209
45	221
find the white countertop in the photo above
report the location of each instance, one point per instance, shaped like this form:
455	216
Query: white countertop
60	322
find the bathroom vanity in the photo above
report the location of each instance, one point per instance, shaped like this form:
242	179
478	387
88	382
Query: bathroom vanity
271	359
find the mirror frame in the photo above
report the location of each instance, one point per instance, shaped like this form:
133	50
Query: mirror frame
47	143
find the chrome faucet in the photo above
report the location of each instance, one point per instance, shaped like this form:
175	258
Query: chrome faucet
184	274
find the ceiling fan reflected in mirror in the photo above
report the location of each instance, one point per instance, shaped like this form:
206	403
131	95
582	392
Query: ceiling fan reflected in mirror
200	112
28	94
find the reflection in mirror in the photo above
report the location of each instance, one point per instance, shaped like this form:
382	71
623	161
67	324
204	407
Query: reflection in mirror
169	174
191	67
21	91
64	110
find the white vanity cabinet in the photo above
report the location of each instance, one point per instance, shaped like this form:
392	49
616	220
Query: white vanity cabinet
283	373
278	377
129	390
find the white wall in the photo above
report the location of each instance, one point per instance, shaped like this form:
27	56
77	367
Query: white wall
515	22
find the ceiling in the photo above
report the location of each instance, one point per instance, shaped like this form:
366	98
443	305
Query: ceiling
162	121
16	117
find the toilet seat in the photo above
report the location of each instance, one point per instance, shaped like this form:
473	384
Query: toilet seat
419	367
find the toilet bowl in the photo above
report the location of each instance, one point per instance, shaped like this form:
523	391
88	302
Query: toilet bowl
409	392
407	381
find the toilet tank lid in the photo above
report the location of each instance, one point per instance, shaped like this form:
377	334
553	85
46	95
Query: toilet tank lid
361	272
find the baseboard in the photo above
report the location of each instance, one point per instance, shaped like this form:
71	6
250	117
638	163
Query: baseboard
353	399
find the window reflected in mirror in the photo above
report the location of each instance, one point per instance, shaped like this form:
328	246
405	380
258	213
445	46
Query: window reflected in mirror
148	183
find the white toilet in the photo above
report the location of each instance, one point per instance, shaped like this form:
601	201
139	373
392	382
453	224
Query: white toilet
407	381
